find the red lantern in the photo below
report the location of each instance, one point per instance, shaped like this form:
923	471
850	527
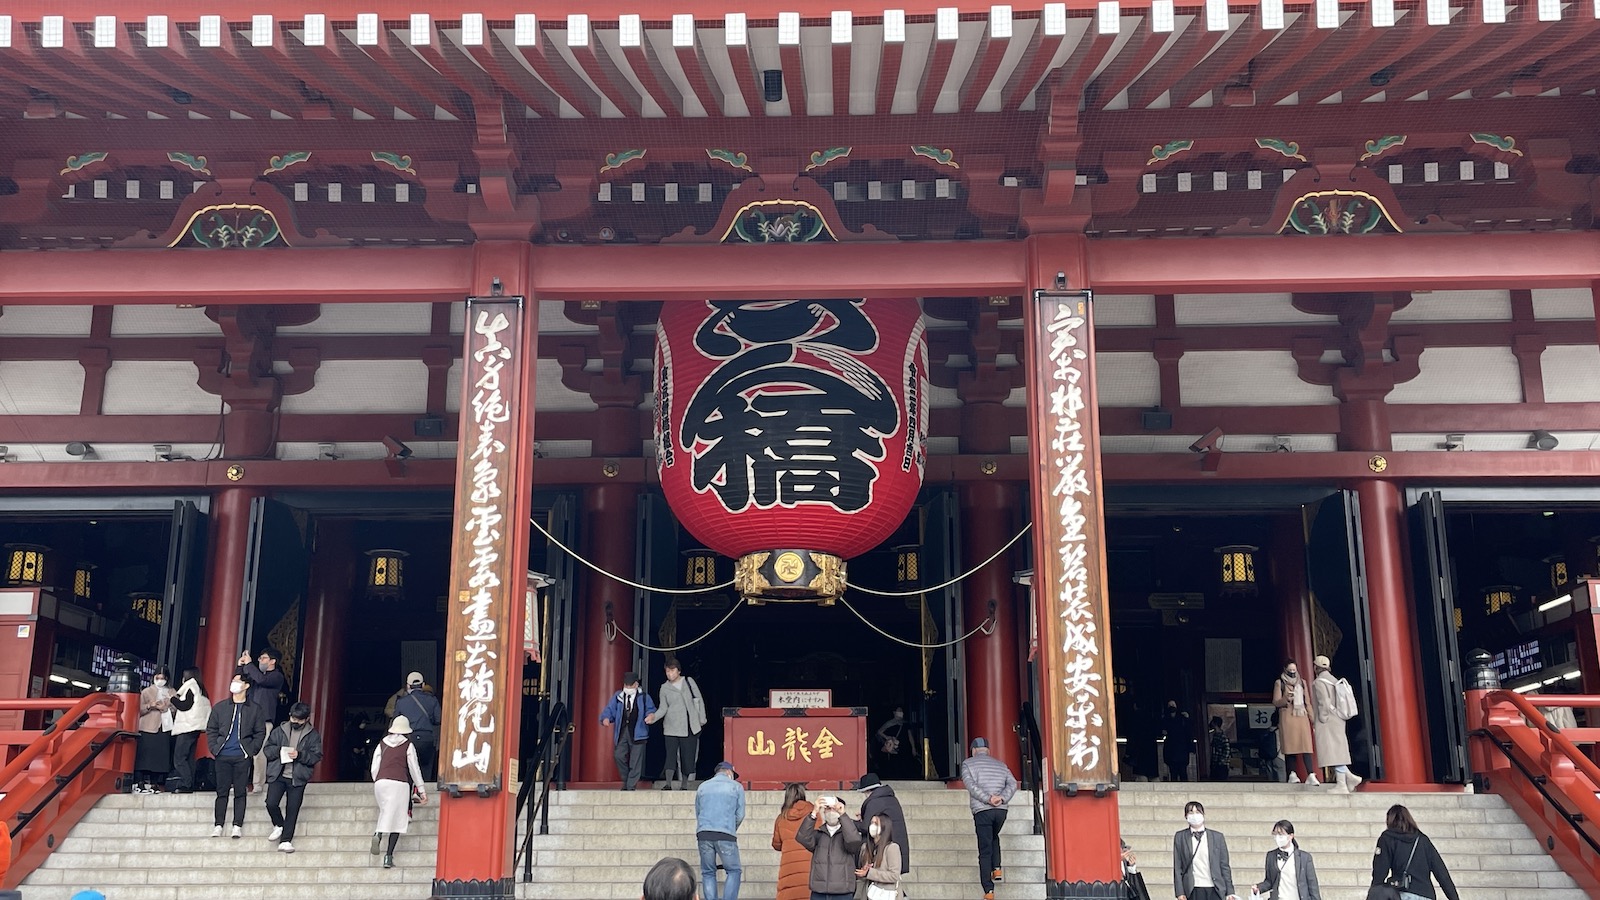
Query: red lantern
791	424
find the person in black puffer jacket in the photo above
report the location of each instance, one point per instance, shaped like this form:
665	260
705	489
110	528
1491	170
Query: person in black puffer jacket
1406	859
881	801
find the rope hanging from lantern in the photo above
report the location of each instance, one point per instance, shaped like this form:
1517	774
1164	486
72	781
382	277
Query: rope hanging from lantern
962	577
619	579
986	626
612	632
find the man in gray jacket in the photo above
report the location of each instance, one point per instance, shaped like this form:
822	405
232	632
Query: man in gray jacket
834	840
990	786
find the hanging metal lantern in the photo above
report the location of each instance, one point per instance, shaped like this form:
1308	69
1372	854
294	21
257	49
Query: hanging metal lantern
83	581
908	566
699	568
1238	569
791	435
1560	577
26	567
386	573
147	606
1499	597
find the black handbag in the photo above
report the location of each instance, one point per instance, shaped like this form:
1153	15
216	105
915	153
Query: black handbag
1133	887
1390	889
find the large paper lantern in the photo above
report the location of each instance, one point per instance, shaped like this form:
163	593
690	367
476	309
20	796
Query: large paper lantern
792	434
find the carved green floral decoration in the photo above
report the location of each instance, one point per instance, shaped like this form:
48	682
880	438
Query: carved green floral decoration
820	158
84	160
798	226
233	226
732	158
1506	144
1290	149
621	158
279	163
1164	152
1338	212
945	157
1387	142
394	160
189	161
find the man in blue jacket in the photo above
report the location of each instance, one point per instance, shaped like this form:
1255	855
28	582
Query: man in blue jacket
628	715
718	812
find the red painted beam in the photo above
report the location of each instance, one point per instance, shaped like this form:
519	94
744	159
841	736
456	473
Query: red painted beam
888	77
206	277
339	11
1391	262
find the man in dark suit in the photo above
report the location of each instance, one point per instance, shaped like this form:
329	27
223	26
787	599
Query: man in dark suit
1200	867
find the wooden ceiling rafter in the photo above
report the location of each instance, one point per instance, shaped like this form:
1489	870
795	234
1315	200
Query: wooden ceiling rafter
888	77
840	68
198	81
397	61
468	78
1575	68
940	55
1402	48
692	61
319	82
1197	43
1489	75
492	57
793	61
744	72
1140	51
347	60
105	96
985	66
1283	57
595	62
648	69
546	62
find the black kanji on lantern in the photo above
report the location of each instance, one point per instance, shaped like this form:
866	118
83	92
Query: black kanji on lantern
792	415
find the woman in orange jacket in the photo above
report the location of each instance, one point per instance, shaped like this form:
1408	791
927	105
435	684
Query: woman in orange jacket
794	868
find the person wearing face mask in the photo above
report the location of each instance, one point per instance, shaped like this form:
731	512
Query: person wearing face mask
293	750
1290	872
834	840
882	869
152	758
266	683
882	801
192	710
628	714
235	733
1333	743
1293	699
1200	866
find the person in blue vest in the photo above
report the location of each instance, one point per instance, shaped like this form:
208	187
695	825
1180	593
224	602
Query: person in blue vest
629	714
421	709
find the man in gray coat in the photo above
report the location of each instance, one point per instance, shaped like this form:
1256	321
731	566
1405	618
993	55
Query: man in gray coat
990	786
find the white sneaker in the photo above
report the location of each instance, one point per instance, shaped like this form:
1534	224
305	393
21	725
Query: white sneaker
277	832
285	847
236	833
216	831
1294	777
1312	780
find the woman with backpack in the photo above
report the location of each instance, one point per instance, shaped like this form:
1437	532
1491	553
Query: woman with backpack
1407	862
1328	723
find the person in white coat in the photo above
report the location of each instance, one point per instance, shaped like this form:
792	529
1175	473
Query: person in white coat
191	710
1333	745
396	778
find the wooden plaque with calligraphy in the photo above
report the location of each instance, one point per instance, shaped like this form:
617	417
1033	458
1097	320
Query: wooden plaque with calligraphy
1069	548
825	748
482	656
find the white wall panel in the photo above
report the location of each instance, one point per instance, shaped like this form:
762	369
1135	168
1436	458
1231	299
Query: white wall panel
1124	310
1571	373
364	385
1563	303
40	387
368	318
1147	443
45	320
161	320
1463	375
1241	309
1128	379
1247	378
1456	306
156	387
1498	440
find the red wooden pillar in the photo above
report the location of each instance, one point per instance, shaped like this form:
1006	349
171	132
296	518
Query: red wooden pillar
994	693
219	637
611	514
1396	681
1082	849
1288	549
476	831
321	682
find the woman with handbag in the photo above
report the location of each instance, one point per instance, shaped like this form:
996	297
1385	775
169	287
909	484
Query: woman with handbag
1293	699
1406	863
152	760
1291	875
882	867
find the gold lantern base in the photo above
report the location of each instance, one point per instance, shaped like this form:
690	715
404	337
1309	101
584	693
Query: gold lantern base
789	576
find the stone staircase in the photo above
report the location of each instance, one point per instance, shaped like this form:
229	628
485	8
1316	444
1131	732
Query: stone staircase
158	848
1491	854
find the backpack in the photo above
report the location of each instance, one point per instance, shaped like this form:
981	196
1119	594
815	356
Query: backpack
1267	744
1344	700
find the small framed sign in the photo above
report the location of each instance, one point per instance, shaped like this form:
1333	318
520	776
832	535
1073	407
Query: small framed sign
800	698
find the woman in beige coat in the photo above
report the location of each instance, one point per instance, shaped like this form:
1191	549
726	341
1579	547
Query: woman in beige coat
1292	697
1333	745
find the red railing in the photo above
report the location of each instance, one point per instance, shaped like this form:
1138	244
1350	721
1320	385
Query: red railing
61	772
1543	773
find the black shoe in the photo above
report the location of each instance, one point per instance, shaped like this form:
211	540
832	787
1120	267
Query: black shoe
388	860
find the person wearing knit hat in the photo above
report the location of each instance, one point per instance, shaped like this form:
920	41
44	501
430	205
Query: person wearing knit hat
1333	743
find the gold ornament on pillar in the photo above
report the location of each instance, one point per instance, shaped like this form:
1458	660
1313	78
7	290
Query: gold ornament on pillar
1238	570
26	566
1560	576
386	574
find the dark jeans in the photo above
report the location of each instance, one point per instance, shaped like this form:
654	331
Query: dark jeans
183	759
275	794
1179	767
630	762
681	752
234	775
988	823
427	755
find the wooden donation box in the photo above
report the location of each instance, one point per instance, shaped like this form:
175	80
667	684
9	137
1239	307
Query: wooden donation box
824	747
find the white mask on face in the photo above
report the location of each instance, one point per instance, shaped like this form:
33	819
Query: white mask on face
236	687
1195	819
831	817
160	682
874	829
1283	841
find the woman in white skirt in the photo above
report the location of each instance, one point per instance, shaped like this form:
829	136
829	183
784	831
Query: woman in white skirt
395	776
